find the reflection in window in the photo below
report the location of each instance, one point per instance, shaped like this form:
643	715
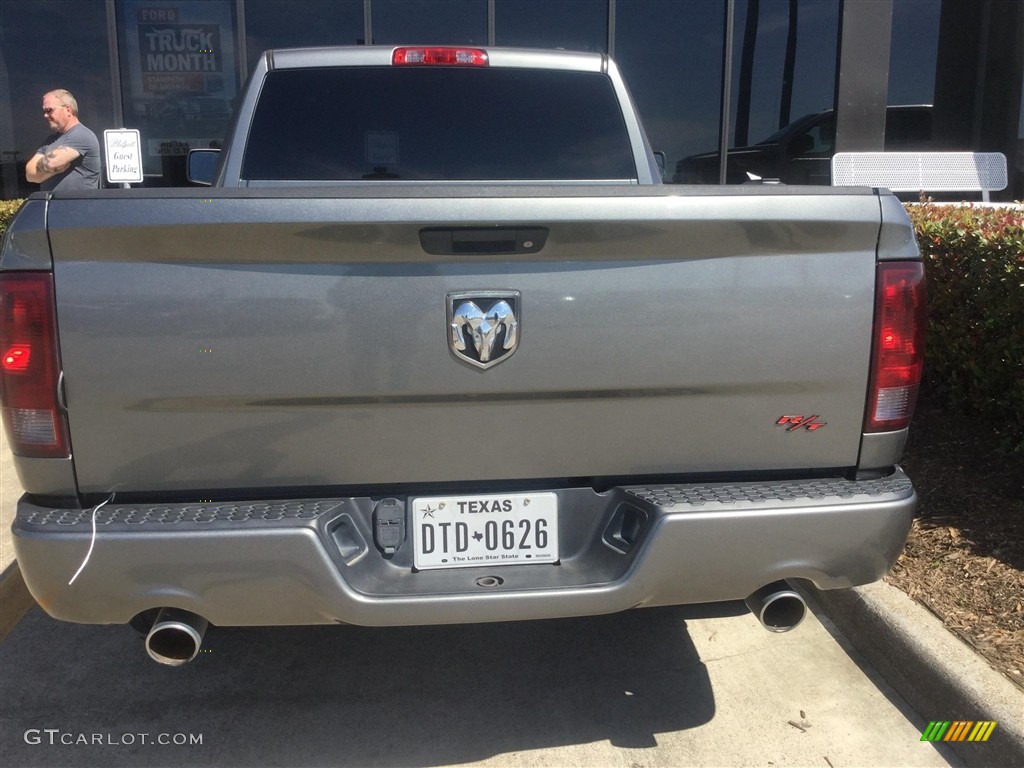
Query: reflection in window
429	22
179	79
292	24
819	141
784	70
908	128
670	54
808	31
913	52
49	44
577	25
1020	128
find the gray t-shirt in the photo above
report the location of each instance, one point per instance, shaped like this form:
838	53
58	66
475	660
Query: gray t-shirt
84	172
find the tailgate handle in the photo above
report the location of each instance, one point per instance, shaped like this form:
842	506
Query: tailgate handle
482	240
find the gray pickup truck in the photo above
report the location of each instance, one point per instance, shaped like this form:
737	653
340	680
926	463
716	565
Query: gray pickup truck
437	346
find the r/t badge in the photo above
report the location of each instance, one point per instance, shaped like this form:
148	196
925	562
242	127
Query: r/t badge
793	423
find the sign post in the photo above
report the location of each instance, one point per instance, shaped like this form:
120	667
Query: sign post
124	156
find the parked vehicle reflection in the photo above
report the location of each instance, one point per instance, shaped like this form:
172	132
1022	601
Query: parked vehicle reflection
800	153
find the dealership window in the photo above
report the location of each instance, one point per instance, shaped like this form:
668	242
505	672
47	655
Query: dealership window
577	25
179	78
44	45
1020	127
670	54
430	22
808	31
912	55
784	74
292	24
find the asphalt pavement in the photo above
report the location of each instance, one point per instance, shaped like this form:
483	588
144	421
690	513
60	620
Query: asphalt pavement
855	685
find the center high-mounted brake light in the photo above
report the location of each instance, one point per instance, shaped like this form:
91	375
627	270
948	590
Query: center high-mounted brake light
898	354
459	57
29	369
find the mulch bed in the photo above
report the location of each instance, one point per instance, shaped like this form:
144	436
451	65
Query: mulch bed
964	560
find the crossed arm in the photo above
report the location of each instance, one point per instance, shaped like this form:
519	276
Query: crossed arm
44	166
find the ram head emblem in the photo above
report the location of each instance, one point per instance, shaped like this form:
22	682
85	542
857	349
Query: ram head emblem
483	326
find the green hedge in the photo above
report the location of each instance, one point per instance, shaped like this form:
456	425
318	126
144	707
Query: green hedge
974	361
7	210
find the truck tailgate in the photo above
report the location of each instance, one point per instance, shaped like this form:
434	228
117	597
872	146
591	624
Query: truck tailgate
283	338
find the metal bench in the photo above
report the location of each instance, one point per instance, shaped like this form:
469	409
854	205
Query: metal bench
922	171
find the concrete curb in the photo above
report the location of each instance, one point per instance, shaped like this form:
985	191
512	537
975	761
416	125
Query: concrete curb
938	675
15	600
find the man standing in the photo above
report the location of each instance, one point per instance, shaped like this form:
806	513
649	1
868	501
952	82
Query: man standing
70	157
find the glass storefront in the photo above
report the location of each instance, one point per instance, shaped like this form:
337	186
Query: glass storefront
913	51
429	22
45	45
783	73
578	25
277	24
174	68
673	64
179	78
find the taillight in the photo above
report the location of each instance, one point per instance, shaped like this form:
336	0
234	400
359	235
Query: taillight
460	57
29	369
898	354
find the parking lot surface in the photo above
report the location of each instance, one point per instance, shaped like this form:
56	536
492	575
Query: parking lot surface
700	685
659	687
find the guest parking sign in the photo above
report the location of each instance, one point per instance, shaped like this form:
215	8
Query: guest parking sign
124	156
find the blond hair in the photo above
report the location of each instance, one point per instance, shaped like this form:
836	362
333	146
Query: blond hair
66	99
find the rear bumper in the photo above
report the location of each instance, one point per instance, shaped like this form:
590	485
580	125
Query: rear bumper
313	561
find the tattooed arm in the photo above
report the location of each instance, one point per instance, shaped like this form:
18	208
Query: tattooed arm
55	161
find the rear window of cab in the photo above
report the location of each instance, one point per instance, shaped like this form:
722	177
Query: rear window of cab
437	123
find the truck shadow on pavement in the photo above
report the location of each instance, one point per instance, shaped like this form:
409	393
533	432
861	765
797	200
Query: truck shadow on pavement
351	695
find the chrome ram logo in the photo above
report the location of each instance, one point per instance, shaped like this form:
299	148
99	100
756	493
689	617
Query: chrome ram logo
483	326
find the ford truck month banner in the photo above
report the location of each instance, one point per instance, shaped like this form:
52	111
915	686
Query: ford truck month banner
180	76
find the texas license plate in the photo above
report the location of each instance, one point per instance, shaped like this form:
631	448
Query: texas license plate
494	529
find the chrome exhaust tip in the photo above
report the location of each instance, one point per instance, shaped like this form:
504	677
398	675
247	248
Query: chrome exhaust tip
777	606
175	637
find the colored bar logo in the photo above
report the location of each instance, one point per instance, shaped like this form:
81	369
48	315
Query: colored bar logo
958	730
